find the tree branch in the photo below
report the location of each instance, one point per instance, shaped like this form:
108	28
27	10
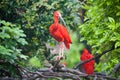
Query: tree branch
64	73
115	69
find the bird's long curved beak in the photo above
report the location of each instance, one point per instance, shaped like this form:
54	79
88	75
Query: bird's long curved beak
62	20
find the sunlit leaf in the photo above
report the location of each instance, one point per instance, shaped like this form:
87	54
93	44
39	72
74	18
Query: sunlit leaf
117	44
111	19
34	61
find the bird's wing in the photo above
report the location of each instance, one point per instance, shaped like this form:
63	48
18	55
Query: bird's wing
86	56
83	57
55	33
65	33
88	67
60	33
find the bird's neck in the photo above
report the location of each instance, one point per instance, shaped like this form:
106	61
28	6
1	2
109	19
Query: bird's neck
56	19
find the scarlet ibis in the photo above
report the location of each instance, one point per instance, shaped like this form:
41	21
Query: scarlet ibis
88	67
60	33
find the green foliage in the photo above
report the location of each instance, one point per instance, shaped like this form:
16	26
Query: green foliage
102	30
34	62
11	37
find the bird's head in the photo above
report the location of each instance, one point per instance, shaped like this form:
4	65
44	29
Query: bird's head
57	15
84	51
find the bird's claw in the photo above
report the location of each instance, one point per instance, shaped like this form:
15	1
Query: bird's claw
59	58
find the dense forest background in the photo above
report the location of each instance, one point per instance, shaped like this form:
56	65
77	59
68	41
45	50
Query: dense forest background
24	33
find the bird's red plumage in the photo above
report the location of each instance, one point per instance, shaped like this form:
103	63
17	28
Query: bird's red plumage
87	67
59	32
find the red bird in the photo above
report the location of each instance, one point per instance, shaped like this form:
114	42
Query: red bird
88	68
59	32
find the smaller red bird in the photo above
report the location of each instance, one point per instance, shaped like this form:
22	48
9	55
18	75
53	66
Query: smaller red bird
60	33
88	67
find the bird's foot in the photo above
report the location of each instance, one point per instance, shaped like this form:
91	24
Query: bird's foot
58	58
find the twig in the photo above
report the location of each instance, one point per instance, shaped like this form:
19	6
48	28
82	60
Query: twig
62	75
72	71
115	69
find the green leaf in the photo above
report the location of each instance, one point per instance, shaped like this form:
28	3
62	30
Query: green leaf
108	3
5	51
22	41
113	39
4	35
118	14
117	44
111	19
82	39
23	56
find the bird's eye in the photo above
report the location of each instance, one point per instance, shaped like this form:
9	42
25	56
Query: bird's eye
57	14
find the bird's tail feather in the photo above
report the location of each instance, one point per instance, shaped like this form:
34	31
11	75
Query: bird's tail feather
67	45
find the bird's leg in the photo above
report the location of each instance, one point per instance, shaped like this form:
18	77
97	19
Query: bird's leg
62	50
59	56
59	51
